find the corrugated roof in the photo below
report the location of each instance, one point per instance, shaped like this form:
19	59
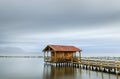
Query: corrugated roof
62	48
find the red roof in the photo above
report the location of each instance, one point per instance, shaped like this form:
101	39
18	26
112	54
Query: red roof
62	48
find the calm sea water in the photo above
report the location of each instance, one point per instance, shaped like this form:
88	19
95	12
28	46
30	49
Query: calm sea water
34	68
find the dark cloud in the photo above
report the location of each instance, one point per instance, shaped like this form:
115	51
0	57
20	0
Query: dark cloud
52	13
48	16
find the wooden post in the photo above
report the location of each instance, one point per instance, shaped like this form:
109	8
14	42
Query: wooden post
101	65
50	55
47	54
55	55
88	63
117	65
44	56
80	56
75	54
116	70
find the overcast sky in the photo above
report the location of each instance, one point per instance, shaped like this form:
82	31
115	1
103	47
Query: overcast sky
91	25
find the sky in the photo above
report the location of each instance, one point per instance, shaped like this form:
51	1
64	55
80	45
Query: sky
27	26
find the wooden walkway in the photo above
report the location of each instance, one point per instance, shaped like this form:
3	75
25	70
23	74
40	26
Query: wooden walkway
110	66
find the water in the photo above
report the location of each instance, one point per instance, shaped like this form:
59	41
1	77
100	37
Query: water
34	68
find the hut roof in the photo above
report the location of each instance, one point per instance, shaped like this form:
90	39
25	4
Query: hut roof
62	48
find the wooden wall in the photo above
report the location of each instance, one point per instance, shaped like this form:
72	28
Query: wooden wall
61	55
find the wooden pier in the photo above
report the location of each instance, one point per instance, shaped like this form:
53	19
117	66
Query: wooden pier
71	56
109	66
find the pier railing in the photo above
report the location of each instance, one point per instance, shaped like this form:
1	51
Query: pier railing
96	62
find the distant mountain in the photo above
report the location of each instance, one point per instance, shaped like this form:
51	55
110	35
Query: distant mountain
10	49
16	51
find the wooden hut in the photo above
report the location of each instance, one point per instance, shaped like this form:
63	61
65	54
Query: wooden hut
60	53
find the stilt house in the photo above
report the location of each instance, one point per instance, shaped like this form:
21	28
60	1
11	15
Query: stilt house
60	53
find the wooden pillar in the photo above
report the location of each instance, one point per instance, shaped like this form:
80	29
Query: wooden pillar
72	61
101	63
116	70
44	56
55	56
47	54
80	56
75	54
88	63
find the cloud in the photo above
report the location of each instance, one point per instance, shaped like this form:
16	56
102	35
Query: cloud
32	24
53	12
55	16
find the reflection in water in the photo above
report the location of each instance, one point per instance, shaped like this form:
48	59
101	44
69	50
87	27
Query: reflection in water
53	72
